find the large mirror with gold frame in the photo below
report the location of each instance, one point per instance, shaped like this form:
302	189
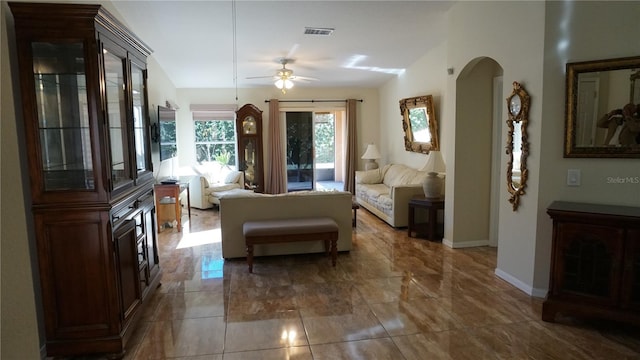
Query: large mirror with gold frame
419	124
603	108
517	143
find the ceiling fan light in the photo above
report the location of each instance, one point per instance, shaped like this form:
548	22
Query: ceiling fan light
280	83
288	84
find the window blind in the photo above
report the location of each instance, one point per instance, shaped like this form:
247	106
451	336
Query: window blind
202	112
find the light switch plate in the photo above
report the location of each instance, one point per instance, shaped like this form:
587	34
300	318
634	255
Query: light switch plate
573	177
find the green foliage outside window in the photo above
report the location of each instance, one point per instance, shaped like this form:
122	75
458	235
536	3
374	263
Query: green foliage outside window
325	138
216	141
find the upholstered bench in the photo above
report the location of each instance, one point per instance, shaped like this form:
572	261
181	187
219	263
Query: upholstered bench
291	230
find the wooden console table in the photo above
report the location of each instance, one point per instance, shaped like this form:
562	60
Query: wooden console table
432	206
595	262
172	193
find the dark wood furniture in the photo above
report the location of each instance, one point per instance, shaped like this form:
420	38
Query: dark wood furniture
430	228
249	134
354	206
84	106
595	262
291	230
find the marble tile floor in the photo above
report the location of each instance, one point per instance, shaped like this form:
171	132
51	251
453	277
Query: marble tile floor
391	297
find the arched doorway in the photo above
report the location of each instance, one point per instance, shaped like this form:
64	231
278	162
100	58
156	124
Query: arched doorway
478	142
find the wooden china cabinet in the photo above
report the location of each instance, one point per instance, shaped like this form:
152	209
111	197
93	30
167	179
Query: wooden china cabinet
595	262
249	134
84	106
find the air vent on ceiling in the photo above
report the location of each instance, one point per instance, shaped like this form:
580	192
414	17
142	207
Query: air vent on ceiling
318	31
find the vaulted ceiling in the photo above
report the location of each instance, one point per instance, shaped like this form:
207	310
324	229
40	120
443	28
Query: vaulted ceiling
372	41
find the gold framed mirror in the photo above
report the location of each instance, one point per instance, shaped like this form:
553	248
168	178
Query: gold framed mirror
517	143
419	124
602	109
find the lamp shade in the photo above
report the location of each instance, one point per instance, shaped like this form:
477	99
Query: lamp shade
435	162
372	153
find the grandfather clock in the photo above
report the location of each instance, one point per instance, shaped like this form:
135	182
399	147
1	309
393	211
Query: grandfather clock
249	132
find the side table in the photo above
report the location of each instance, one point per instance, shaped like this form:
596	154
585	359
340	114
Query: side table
169	194
432	205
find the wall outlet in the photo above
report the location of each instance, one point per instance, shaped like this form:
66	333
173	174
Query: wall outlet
573	177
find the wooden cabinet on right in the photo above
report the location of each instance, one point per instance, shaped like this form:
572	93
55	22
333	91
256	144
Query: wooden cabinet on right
595	262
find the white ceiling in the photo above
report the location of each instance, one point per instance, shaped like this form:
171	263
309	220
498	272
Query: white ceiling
373	40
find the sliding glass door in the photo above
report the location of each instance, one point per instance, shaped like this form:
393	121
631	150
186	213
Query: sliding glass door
300	155
311	151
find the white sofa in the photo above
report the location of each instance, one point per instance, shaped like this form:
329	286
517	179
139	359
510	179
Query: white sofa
236	209
211	181
386	191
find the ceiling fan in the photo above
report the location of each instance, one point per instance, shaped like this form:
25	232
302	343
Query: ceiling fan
284	77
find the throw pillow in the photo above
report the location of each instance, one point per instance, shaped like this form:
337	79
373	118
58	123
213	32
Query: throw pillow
232	177
369	176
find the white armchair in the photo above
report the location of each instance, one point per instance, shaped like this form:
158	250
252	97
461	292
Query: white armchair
211	182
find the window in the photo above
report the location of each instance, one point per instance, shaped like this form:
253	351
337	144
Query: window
215	133
216	141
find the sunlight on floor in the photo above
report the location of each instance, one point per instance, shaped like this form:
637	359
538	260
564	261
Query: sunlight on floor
190	239
212	268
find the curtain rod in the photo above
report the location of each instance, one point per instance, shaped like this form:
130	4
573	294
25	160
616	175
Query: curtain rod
312	101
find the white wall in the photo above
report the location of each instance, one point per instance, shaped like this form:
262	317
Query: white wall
512	34
473	159
427	76
160	89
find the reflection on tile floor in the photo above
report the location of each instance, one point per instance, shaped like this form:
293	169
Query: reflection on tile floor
391	297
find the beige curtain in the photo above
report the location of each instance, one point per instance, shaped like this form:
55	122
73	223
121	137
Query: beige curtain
276	182
352	148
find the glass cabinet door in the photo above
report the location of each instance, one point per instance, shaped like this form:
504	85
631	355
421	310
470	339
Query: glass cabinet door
63	116
142	158
114	69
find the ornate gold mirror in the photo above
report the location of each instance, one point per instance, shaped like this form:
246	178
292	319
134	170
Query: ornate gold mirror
602	112
517	143
419	124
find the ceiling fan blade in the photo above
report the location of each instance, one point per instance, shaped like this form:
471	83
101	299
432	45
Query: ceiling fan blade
261	77
304	78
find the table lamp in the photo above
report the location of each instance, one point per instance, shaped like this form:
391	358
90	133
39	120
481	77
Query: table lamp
371	155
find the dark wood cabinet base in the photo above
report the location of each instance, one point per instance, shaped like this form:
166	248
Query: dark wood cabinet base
595	262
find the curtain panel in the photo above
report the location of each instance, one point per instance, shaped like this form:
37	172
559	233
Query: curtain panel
351	148
276	177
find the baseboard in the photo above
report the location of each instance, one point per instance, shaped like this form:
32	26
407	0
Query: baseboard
464	244
535	292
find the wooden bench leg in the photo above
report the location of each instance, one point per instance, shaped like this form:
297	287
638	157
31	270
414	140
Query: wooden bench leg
334	251
250	257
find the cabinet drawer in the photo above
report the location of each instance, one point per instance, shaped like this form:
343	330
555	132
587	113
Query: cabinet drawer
146	200
119	214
